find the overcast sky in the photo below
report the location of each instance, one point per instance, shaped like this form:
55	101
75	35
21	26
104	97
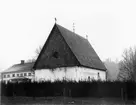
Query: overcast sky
26	24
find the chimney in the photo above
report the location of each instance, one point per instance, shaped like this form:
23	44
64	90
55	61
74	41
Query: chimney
22	61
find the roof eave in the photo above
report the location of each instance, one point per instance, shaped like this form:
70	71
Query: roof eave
93	68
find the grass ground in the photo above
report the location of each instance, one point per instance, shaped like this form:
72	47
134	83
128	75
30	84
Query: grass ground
63	101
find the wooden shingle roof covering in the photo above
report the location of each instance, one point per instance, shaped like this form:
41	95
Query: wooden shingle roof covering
82	49
20	68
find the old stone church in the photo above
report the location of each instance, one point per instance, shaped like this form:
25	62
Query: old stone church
66	55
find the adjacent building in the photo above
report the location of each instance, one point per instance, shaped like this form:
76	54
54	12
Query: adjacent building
19	72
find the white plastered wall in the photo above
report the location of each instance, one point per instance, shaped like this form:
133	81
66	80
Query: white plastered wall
70	73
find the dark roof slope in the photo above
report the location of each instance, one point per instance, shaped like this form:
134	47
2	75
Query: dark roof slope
82	49
19	68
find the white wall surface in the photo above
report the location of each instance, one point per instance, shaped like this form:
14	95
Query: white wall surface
71	73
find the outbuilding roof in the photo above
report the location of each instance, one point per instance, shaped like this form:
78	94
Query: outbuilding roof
20	68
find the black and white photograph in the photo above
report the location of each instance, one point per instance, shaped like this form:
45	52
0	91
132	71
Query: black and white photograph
67	52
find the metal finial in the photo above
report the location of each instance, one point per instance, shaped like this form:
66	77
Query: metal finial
87	37
55	20
73	27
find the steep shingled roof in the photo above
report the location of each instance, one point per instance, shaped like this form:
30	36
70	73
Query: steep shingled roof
19	68
81	48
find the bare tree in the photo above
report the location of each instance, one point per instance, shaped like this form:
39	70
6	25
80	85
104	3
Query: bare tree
37	52
31	60
128	65
112	69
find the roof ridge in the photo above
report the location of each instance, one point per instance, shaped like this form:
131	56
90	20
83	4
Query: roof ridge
27	64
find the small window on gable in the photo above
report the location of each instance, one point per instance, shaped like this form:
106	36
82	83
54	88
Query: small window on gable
55	54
